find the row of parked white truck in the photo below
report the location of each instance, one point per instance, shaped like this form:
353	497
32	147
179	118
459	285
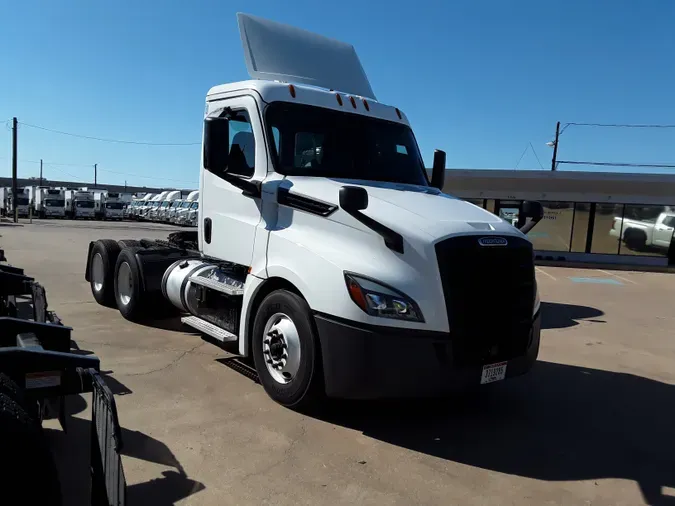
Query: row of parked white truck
175	206
178	207
61	202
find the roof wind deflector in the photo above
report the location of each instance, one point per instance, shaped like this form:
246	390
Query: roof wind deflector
275	51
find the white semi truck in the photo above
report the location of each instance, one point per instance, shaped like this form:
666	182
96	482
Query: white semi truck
113	205
342	273
84	205
5	201
179	215
51	203
134	209
149	211
23	201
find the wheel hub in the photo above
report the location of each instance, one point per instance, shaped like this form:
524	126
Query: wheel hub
281	348
125	283
97	272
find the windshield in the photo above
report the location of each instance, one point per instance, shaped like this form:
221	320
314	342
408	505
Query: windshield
21	201
85	204
195	205
186	204
166	203
55	203
114	205
313	141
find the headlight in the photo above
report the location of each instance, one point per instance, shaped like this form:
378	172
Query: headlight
537	300
380	300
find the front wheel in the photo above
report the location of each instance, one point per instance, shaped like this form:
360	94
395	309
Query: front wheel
286	351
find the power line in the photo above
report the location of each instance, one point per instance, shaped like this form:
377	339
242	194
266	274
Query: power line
537	157
618	164
521	156
118	141
619	125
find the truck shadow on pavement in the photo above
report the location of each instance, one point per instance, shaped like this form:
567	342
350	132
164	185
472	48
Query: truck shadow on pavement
555	315
71	454
559	423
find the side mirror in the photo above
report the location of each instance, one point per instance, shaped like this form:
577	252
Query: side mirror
529	209
216	144
438	173
532	209
353	198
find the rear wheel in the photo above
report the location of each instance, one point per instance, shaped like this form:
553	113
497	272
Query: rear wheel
128	284
102	267
635	239
286	351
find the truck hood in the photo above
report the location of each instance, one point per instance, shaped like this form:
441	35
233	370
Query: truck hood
405	208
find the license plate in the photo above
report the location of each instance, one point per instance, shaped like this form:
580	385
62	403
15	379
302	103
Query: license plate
493	372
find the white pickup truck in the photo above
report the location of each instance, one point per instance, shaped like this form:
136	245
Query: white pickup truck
641	234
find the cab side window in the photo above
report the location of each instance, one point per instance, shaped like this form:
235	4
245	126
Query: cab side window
242	145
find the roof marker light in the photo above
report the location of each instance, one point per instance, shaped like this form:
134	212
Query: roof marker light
351	99
365	104
339	98
291	88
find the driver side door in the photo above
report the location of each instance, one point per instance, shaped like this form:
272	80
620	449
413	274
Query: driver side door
228	216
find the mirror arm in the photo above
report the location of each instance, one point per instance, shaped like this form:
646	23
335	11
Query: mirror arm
529	225
392	239
249	188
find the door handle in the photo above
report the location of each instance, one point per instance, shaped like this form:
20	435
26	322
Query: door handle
207	230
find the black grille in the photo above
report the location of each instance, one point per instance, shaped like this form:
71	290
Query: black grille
489	295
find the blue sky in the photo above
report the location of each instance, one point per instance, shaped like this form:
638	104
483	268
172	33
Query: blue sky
480	79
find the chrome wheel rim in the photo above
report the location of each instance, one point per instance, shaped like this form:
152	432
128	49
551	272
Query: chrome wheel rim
125	283
281	348
97	272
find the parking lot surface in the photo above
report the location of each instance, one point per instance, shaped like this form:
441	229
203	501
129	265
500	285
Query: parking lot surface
593	423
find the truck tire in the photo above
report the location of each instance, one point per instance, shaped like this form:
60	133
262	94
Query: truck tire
103	258
635	239
30	469
286	351
128	283
128	243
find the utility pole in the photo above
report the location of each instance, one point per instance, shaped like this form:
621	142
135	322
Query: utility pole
40	171
14	182
555	146
125	186
95	175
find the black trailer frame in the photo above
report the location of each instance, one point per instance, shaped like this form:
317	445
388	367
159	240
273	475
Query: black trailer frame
36	357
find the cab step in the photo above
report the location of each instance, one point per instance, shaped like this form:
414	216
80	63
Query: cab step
229	286
209	329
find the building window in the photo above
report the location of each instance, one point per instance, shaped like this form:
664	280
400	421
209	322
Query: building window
645	230
605	236
490	205
553	232
580	227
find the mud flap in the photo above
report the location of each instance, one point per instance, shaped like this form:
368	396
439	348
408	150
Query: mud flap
108	484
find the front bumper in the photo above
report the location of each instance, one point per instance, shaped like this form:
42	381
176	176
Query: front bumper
382	362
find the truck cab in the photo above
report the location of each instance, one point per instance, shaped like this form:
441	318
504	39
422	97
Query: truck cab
84	205
324	252
181	213
53	203
113	206
23	201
